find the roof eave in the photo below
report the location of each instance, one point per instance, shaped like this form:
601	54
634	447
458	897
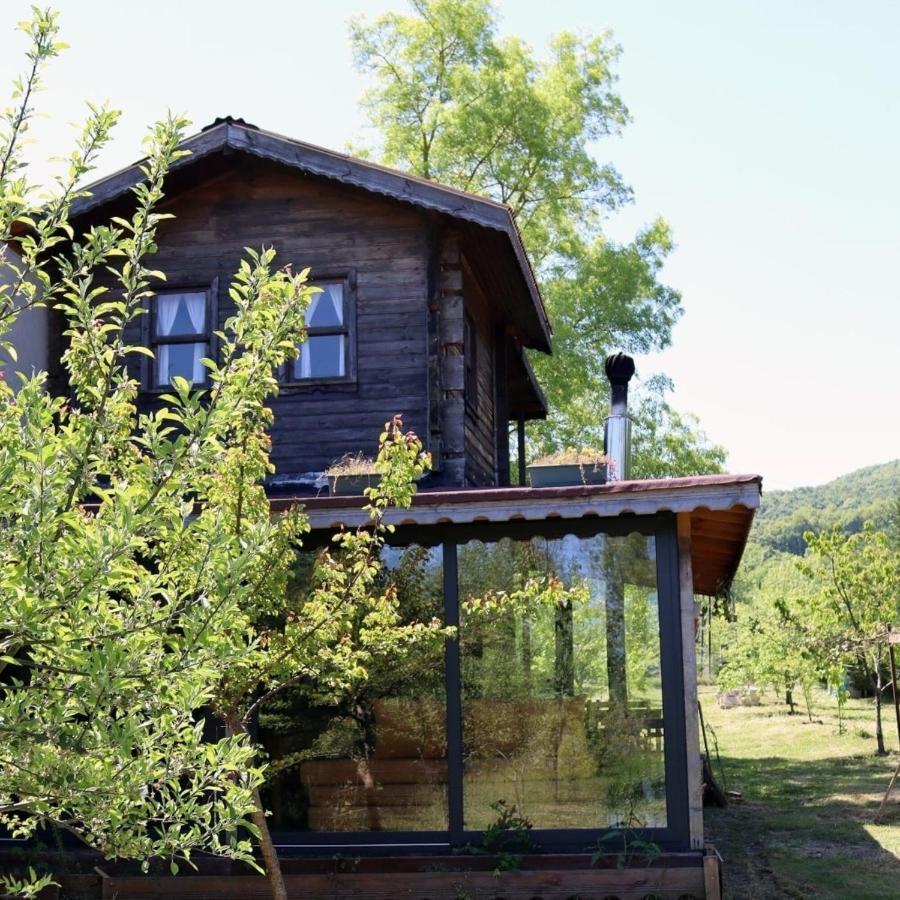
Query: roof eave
347	170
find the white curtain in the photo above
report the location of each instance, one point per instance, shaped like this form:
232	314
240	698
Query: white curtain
333	297
305	362
341	369
196	309
164	362
313	307
166	310
306	357
335	294
167	307
199	371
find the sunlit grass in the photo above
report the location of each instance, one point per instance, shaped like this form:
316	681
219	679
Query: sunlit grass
806	826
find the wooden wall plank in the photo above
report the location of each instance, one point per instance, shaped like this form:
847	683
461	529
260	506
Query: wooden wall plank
335	230
481	439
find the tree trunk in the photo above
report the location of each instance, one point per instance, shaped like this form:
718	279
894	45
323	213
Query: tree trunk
268	851
271	862
616	662
879	730
789	699
564	663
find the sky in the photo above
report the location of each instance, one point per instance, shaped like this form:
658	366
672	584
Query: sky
766	133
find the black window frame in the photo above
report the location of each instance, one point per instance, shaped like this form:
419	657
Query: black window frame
348	329
151	339
675	837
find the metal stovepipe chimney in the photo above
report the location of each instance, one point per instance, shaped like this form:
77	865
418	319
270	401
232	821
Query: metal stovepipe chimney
617	431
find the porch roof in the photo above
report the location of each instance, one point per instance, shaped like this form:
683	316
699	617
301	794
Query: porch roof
721	509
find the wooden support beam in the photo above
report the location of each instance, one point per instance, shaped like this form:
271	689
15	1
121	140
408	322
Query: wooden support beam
689	657
450	337
712	882
520	440
501	405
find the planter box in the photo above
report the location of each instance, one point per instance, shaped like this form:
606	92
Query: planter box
567	475
548	876
351	485
436	879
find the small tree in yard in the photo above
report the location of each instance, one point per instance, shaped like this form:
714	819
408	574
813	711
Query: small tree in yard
326	637
142	573
860	575
767	644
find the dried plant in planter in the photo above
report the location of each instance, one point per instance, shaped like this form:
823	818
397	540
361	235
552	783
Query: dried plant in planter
351	474
569	466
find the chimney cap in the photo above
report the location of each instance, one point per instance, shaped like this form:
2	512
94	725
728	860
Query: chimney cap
619	368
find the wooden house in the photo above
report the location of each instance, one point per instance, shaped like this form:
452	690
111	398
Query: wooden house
428	299
571	717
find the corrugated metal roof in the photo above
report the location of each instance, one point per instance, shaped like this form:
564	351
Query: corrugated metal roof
720	507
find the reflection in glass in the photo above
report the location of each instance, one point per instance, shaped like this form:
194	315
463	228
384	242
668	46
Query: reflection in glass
561	690
376	760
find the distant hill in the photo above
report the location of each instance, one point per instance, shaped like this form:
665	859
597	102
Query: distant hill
848	501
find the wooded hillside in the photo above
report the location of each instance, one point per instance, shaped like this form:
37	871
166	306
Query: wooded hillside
869	494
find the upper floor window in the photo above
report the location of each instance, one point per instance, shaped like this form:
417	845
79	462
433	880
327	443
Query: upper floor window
180	336
325	354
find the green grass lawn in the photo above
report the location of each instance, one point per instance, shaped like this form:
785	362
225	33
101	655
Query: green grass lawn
805	827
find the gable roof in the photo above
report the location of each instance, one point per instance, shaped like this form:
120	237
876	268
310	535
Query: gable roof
229	134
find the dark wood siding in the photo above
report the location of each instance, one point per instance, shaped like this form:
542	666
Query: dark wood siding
481	455
335	230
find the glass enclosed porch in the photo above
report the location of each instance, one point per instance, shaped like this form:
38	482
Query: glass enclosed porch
561	701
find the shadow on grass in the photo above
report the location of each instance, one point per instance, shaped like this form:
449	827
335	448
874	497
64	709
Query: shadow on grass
804	829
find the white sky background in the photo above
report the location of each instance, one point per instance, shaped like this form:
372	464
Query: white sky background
766	133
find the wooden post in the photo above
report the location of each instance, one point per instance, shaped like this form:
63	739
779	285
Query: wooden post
711	877
501	405
689	660
894	638
452	412
520	435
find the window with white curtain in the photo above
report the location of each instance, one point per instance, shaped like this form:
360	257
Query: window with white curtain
180	336
324	352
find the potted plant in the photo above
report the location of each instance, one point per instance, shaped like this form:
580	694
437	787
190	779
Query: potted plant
351	475
568	467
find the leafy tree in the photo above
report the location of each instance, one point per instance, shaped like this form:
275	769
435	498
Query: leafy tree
860	575
144	576
768	643
119	582
453	102
328	636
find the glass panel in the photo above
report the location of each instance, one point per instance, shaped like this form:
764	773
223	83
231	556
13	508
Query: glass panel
180	359
321	356
326	310
180	314
375	759
561	687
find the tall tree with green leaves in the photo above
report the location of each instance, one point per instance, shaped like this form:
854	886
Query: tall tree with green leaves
143	574
454	102
117	580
